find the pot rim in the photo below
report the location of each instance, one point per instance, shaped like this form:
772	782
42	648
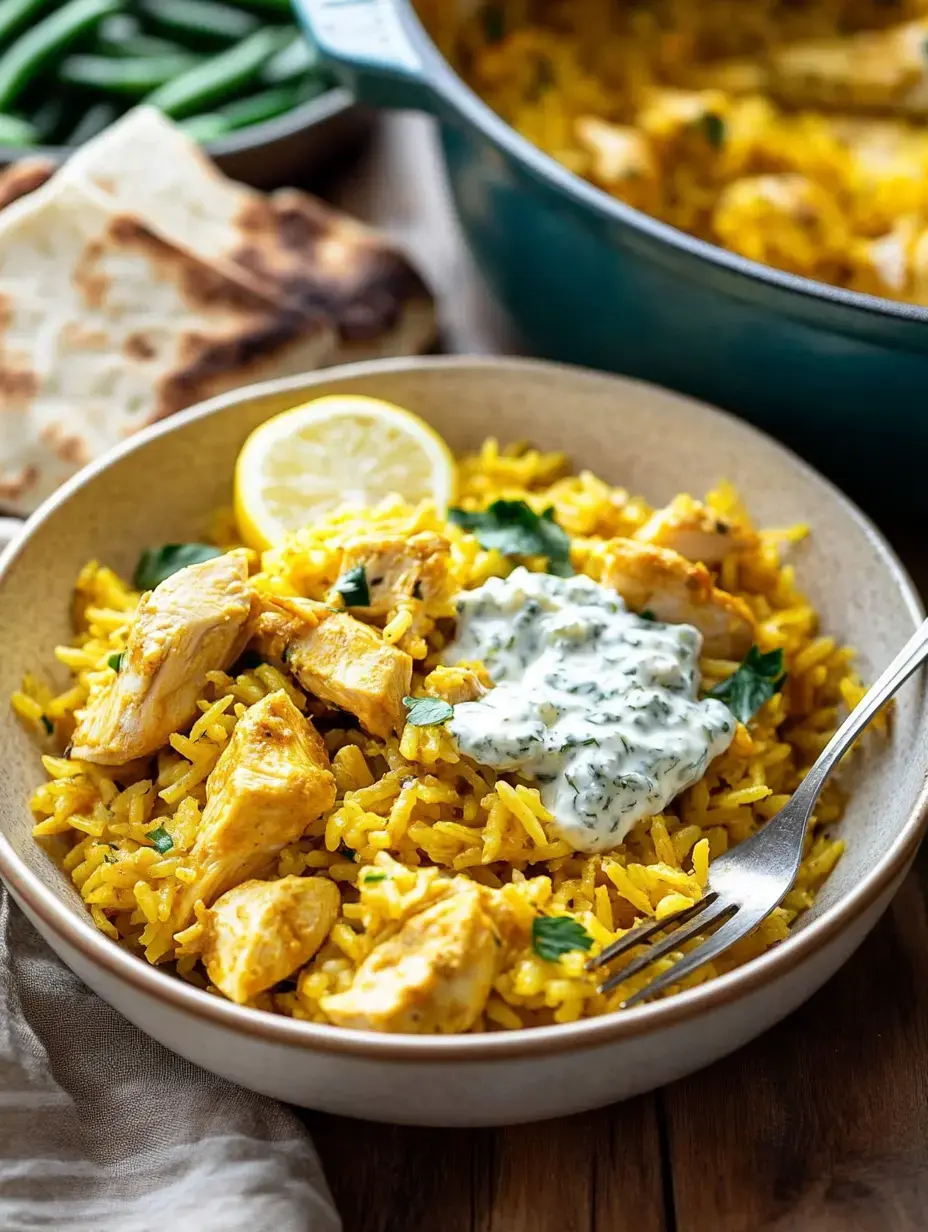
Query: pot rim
441	77
77	931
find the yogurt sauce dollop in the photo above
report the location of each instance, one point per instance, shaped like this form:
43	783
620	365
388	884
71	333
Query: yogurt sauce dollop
596	704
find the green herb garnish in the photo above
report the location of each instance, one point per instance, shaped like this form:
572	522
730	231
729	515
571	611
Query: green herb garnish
372	877
647	614
48	724
494	23
347	852
353	587
160	840
554	935
156	564
514	529
115	660
757	679
714	128
427	711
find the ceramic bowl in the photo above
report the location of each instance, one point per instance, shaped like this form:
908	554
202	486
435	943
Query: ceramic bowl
163	484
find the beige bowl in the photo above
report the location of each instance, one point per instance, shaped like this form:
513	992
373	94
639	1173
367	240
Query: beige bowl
162	486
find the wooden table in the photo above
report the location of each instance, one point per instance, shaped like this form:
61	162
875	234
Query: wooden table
820	1125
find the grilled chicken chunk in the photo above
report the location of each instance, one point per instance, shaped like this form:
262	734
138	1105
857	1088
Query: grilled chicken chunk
679	592
260	932
338	659
193	623
397	569
621	161
784	220
435	974
695	531
271	781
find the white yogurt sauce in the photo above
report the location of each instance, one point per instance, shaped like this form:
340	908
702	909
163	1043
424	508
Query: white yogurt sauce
598	705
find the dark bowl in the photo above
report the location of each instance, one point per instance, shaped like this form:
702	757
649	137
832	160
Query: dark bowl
282	151
840	375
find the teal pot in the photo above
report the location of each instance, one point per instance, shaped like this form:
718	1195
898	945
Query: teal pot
841	376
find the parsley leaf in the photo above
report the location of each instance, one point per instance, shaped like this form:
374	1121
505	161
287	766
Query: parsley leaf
514	529
160	840
647	614
757	679
48	725
714	127
347	852
369	878
115	660
353	587
427	711
156	564
554	935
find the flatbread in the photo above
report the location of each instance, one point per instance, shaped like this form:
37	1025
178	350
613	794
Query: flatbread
290	247
106	326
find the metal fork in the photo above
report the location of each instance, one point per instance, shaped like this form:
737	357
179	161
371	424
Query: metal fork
746	883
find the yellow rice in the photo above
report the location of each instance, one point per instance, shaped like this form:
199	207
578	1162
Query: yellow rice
412	802
838	193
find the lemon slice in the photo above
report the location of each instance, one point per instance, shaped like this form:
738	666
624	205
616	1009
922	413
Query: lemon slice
344	448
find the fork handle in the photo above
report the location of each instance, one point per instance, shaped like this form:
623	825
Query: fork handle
908	660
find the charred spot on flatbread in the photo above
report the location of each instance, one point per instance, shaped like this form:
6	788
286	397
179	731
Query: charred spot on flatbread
23	177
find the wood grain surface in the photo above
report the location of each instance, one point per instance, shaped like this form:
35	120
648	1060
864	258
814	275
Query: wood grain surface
821	1125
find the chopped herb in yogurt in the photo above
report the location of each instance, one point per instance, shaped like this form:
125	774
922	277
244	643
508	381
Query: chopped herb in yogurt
596	704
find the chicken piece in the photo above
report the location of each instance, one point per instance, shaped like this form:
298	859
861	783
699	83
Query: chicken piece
783	220
677	591
435	974
882	70
889	266
260	932
693	530
338	659
271	781
192	624
887	169
680	122
623	162
397	569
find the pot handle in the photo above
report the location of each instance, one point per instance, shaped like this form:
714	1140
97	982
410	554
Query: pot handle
370	50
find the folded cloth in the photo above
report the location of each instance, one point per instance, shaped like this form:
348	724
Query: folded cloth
103	1130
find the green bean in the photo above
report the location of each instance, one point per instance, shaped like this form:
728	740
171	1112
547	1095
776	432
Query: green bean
46	119
121	35
199	21
32	51
133	77
269	6
94	120
16	13
298	57
205	127
16	131
217	78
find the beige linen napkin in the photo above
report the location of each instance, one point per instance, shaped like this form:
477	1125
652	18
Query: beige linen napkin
103	1130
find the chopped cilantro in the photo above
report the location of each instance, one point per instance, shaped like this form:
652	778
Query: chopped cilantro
48	724
160	840
647	614
514	529
554	935
369	878
353	587
427	711
714	128
156	564
347	852
115	660
758	677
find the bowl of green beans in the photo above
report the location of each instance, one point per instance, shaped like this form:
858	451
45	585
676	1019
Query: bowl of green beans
237	75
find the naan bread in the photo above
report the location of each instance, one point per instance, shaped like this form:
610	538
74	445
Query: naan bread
290	247
105	326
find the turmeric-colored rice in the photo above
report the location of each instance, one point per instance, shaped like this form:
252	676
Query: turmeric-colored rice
404	803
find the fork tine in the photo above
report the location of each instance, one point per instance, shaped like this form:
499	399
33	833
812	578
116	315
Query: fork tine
668	945
730	932
637	935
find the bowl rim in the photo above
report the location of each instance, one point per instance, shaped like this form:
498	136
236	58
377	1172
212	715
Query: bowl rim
450	86
307	115
78	931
